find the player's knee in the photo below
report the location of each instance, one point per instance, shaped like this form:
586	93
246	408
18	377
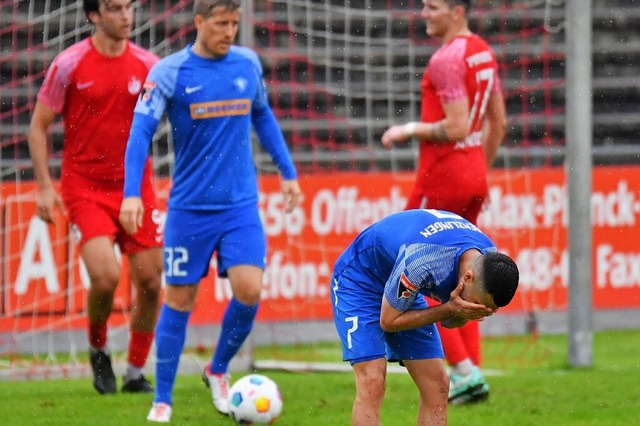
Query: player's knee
437	388
105	281
246	283
372	386
149	283
180	297
148	293
248	298
247	292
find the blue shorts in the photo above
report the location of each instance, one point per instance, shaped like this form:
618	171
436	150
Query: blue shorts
356	314
192	236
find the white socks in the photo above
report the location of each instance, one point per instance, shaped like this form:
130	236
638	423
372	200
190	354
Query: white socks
132	373
94	350
463	368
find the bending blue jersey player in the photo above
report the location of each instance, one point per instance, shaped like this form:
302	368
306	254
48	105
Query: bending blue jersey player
212	93
380	312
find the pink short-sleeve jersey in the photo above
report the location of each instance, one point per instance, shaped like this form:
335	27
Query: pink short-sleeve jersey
96	95
463	69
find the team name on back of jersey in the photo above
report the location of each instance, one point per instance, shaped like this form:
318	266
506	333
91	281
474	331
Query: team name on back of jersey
216	109
479	58
447	225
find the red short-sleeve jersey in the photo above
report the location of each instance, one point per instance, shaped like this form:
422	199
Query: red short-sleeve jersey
463	69
96	95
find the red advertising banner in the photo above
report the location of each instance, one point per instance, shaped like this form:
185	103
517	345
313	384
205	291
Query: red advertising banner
527	217
44	283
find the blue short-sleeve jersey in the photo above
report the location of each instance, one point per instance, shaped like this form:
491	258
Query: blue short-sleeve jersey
211	105
410	253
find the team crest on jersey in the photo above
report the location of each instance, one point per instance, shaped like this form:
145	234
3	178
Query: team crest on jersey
134	85
240	83
147	88
405	287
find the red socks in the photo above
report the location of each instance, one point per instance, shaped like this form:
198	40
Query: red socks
98	335
139	347
461	343
139	343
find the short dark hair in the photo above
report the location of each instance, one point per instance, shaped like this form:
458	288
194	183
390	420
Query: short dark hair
500	277
464	3
204	7
91	6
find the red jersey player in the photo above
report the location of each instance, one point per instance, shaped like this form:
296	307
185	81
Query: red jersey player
462	124
94	85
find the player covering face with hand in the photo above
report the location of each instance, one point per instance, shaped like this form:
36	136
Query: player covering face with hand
462	124
377	293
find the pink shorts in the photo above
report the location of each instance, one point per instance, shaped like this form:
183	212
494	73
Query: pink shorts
95	212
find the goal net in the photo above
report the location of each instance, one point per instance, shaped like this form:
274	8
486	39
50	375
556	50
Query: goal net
341	72
43	283
338	73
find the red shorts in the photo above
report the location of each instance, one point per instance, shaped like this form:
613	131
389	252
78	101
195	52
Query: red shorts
449	179
468	206
94	212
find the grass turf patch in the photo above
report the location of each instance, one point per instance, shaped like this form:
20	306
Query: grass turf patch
535	386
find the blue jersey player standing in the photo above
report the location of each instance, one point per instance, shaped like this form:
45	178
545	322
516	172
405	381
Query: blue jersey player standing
212	93
380	312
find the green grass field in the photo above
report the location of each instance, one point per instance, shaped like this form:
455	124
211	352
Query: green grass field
534	387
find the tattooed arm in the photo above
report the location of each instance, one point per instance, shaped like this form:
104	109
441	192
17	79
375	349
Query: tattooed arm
453	127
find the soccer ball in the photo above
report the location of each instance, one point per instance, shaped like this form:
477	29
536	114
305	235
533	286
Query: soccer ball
255	399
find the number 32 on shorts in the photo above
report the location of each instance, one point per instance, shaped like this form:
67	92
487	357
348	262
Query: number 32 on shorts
175	258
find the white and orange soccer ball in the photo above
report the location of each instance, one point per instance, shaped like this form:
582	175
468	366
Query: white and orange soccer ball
255	400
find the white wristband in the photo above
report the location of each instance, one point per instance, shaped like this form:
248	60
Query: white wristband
410	128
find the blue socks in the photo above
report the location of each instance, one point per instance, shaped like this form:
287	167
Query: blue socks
236	326
171	331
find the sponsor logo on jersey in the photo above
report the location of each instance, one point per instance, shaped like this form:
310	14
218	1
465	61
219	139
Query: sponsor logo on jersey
216	109
147	88
134	85
405	287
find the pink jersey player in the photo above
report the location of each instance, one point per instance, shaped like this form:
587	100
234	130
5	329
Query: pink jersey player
452	176
96	94
94	85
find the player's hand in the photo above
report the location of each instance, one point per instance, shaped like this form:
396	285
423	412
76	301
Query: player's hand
291	194
393	135
467	310
47	200
131	214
